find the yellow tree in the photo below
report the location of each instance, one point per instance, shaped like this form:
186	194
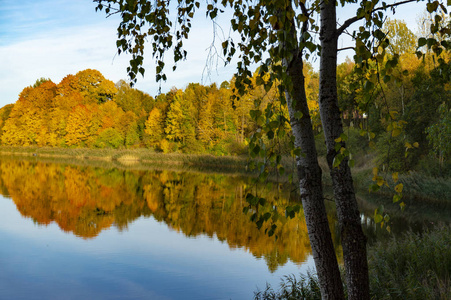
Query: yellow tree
179	121
402	39
94	87
28	121
78	126
155	126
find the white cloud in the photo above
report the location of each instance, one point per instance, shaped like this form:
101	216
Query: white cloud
61	51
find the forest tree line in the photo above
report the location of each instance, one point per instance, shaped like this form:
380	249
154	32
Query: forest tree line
88	110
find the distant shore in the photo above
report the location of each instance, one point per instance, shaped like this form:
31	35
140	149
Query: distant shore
130	158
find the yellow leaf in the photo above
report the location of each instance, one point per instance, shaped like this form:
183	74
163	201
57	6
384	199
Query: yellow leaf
402	205
416	145
375	170
395	176
399	187
393	114
396	132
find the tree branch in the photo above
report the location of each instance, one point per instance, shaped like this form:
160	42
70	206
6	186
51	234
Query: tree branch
350	21
346	48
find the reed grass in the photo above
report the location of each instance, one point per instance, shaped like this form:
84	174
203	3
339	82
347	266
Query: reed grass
305	287
415	266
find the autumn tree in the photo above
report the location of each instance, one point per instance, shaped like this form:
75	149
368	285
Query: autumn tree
79	125
28	122
179	125
402	39
94	87
155	126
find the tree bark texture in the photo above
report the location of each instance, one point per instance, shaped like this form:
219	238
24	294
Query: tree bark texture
352	237
310	184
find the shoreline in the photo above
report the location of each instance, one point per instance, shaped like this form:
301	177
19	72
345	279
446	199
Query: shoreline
140	158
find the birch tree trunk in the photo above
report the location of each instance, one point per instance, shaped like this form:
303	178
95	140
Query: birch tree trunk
353	239
309	173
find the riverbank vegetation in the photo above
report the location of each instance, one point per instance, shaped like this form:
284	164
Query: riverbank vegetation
414	266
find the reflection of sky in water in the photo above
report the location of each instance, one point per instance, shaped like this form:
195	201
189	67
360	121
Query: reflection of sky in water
147	261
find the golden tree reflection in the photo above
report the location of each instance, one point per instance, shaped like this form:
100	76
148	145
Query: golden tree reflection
86	200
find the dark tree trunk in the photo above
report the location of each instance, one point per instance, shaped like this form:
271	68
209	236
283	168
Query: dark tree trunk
352	237
311	192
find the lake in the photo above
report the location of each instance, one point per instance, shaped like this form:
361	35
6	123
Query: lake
81	232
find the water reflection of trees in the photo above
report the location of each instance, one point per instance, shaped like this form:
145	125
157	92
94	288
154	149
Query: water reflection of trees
86	200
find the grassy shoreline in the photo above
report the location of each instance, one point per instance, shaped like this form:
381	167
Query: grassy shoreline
130	159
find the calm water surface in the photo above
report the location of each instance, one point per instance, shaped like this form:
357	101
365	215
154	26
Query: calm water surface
86	233
71	232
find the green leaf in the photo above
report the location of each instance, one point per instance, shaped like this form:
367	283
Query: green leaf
378	218
337	161
259	223
298	115
386	218
297	152
421	42
374	188
270	135
396	198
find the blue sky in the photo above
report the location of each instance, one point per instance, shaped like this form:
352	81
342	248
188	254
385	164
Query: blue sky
54	38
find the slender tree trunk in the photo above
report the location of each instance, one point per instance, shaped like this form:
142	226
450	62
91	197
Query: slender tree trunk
310	185
352	236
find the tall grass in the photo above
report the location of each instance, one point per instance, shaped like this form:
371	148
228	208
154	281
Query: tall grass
416	185
292	288
416	266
